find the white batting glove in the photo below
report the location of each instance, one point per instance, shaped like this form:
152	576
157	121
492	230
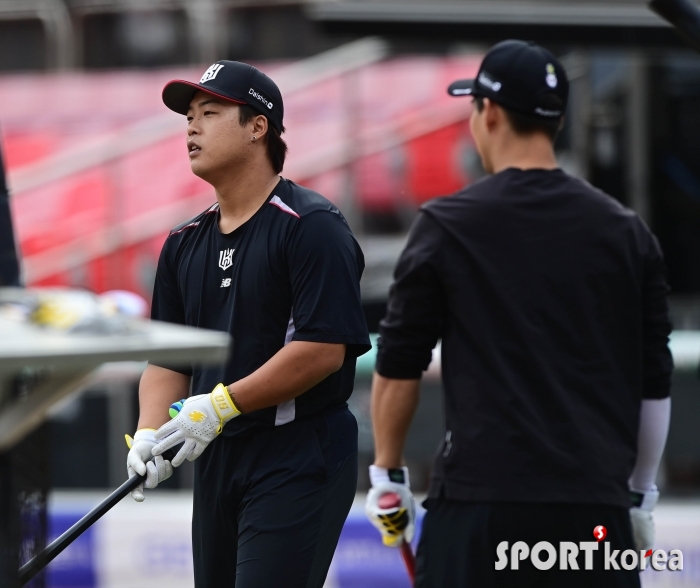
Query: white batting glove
642	518
139	461
199	420
395	519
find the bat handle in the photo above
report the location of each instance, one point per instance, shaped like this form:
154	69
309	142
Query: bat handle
393	500
410	560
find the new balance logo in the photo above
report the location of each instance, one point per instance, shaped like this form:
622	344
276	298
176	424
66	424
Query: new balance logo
211	73
226	258
226	282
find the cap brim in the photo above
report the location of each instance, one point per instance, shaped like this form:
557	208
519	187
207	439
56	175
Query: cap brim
178	94
461	88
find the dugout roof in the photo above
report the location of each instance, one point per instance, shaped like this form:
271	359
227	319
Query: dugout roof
568	22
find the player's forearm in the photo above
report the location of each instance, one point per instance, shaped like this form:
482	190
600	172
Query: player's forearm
394	403
293	370
654	420
158	389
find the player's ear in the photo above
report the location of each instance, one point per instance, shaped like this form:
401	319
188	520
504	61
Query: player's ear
562	123
492	114
260	126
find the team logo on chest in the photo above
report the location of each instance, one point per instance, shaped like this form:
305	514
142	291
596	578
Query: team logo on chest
226	258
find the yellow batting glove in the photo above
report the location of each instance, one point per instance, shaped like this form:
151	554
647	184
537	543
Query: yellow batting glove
196	422
390	506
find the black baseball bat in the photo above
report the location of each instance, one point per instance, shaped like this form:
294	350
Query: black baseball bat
41	560
684	15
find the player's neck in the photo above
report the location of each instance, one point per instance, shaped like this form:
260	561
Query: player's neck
533	152
241	194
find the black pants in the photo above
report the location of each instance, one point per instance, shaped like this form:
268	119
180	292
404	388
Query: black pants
269	508
459	540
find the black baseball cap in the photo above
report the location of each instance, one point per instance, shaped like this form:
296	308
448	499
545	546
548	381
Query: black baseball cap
520	76
235	81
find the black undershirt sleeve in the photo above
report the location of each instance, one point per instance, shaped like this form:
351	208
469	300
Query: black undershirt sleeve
325	266
658	362
167	303
415	310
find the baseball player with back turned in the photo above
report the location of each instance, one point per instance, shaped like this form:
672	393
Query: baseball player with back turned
276	266
550	300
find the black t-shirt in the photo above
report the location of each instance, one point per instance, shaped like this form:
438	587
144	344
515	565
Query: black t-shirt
290	273
550	300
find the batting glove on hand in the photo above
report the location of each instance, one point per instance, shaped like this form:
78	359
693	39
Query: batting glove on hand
196	421
642	518
396	522
140	461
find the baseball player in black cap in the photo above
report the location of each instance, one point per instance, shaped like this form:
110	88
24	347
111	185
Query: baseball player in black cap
276	266
550	300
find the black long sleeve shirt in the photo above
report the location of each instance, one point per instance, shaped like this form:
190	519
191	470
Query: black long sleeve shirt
550	300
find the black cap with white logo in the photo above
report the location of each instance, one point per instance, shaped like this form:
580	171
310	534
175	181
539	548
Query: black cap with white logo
238	82
519	76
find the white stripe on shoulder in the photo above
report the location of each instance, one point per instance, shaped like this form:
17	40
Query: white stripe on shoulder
214	208
277	201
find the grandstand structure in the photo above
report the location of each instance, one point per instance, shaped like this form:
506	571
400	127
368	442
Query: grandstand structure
101	175
628	131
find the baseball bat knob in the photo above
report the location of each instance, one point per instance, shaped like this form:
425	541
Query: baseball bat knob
389	500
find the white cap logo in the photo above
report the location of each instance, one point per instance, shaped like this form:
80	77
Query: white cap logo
260	97
211	73
484	80
551	78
